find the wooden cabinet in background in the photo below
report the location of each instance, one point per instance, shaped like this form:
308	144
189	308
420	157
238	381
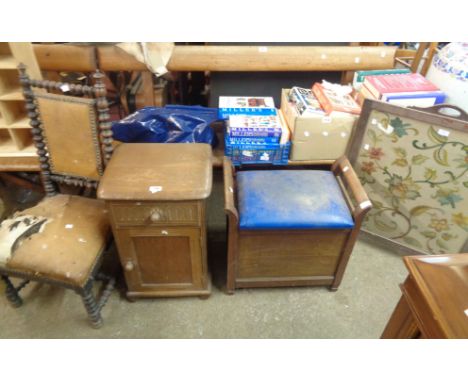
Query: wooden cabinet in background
434	301
156	195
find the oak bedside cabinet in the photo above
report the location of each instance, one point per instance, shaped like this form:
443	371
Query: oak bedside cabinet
155	193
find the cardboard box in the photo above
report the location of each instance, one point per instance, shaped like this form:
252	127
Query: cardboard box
317	137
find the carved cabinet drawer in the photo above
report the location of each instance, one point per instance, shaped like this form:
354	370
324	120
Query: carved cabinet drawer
155	214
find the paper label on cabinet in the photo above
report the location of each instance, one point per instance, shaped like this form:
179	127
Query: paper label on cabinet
154	189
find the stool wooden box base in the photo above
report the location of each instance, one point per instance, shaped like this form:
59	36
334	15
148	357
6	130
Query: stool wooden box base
302	257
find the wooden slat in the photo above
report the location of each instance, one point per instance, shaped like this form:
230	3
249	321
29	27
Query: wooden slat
405	53
428	60
24	53
254	58
418	57
18	163
13	95
21	123
8	62
280	58
61	57
113	58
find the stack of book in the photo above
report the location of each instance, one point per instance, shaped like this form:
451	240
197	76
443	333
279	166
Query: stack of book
255	130
245	106
305	102
320	123
409	89
335	98
360	75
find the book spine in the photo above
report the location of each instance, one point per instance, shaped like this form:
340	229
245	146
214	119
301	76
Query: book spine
322	98
362	74
225	112
370	88
252	140
254	132
401	83
418	102
366	93
438	97
266	146
414	94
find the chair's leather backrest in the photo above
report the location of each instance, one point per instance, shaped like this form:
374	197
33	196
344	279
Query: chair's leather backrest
70	131
72	134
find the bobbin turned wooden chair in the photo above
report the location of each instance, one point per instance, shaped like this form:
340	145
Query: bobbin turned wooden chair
291	226
62	239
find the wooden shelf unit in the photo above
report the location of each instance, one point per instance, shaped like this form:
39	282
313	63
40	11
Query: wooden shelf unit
17	152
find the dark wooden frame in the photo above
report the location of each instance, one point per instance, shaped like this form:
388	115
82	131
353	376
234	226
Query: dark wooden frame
430	115
358	203
98	91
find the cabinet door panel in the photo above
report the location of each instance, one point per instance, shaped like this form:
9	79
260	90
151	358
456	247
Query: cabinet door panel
157	259
164	259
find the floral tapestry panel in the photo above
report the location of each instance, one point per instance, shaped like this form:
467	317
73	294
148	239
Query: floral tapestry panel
416	175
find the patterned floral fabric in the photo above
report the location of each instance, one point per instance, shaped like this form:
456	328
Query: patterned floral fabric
417	178
453	59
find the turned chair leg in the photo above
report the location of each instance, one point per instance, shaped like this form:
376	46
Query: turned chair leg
11	291
94	307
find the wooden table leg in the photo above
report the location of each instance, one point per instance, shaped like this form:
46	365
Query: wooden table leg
401	323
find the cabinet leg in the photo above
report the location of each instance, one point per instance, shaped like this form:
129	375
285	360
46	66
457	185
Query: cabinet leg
229	291
401	323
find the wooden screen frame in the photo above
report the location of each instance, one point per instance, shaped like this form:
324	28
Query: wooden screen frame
431	116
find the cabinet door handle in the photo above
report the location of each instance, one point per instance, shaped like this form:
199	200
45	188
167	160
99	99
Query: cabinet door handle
129	266
155	216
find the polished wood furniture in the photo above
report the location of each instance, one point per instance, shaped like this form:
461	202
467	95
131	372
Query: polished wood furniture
156	193
434	301
285	257
74	142
17	152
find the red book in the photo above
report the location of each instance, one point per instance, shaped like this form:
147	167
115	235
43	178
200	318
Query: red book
398	83
332	101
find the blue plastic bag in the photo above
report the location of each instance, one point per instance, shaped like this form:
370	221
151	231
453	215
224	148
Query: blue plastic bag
169	124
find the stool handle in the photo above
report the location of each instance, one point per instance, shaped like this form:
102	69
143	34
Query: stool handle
229	190
343	169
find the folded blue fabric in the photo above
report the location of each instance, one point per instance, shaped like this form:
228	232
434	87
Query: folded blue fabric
169	124
291	199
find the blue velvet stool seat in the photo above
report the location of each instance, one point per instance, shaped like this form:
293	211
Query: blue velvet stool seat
291	199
